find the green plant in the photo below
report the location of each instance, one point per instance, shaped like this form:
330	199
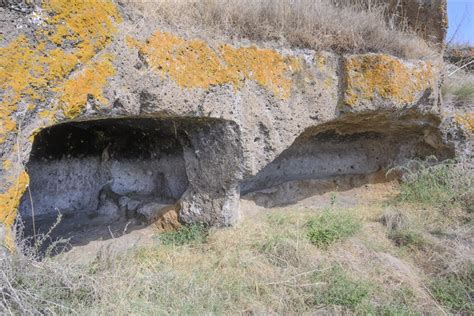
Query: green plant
331	226
340	289
465	92
431	183
187	234
455	291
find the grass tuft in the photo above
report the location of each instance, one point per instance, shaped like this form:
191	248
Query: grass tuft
341	290
465	92
186	234
330	227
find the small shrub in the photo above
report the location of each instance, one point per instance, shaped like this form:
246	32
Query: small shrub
456	291
187	234
330	227
341	290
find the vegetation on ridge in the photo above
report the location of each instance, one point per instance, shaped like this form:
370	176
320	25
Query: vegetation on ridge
344	26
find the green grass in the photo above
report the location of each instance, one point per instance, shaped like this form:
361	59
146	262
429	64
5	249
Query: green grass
187	234
341	290
465	92
434	184
455	291
332	226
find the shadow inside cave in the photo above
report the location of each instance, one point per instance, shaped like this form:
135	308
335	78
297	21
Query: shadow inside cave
97	175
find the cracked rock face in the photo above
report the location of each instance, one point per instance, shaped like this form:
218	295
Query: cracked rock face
104	117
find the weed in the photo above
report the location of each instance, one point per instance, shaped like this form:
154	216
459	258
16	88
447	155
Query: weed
187	234
330	227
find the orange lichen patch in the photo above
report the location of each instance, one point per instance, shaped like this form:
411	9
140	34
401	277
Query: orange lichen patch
265	66
83	22
466	120
9	202
10	199
30	71
377	75
73	94
193	64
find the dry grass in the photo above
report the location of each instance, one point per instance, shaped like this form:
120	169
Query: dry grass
405	259
266	265
342	26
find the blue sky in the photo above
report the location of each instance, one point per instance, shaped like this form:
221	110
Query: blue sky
461	13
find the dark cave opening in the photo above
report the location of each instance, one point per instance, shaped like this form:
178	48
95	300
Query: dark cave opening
99	174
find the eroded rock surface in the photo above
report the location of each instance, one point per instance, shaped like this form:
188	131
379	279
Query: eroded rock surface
104	111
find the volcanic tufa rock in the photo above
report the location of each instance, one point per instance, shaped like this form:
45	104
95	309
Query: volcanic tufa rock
100	104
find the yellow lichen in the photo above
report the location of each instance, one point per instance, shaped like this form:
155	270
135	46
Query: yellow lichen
466	120
7	164
11	198
90	82
193	64
9	201
377	75
30	71
83	22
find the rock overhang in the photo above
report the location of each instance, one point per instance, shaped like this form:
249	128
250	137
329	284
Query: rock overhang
84	64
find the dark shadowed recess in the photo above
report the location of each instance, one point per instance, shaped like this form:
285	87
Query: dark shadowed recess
98	174
345	153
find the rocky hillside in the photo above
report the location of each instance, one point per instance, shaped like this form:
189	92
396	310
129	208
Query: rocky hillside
170	120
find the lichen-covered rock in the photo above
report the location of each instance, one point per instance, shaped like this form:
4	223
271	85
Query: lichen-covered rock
171	118
374	80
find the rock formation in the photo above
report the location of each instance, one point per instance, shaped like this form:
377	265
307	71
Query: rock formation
103	117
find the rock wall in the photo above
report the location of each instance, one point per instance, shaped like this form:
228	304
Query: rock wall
228	110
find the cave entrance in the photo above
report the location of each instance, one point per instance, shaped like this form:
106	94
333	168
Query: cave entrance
345	153
99	174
